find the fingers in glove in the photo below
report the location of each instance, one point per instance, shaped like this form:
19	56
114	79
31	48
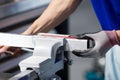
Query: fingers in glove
82	53
83	36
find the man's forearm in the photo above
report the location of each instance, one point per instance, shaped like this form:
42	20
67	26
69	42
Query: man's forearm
57	11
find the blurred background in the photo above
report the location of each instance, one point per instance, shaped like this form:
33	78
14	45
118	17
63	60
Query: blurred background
17	15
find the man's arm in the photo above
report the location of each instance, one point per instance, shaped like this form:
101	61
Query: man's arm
56	12
102	42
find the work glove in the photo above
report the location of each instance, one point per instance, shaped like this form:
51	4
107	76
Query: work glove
101	42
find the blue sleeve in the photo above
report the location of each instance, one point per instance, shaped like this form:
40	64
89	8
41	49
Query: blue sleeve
108	13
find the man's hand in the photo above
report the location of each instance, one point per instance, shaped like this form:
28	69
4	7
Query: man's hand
15	51
103	41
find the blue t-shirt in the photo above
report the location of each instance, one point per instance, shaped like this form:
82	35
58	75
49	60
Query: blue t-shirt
108	13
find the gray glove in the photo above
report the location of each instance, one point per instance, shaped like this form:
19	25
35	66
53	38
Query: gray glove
103	41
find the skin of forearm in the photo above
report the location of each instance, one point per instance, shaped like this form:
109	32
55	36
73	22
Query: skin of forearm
56	12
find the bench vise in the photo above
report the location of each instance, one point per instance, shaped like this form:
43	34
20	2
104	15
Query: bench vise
48	53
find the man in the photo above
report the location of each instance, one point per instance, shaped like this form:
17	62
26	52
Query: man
107	11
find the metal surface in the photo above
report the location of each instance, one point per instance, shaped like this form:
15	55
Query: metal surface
12	62
26	75
5	76
16	40
2	2
20	7
23	12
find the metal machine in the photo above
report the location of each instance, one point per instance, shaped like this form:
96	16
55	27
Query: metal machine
48	54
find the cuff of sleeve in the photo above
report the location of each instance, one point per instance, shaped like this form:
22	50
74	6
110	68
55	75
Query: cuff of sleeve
113	37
